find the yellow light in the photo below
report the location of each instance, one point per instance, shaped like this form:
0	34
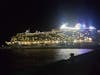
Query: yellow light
46	42
25	43
77	26
8	43
57	41
75	41
90	39
13	42
80	40
19	43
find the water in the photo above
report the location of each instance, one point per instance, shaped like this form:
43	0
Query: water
44	56
65	53
24	61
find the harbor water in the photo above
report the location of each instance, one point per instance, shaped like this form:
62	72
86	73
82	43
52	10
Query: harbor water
39	56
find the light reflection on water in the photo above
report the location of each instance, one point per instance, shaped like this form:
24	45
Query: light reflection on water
65	53
41	56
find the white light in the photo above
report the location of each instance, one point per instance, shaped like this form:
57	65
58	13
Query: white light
98	31
90	39
63	26
75	41
27	31
91	27
84	26
78	26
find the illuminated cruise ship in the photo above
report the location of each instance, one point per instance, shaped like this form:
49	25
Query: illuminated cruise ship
63	37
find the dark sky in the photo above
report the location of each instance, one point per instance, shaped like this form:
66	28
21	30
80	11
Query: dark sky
17	16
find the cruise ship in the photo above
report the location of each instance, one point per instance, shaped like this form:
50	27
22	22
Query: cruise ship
68	37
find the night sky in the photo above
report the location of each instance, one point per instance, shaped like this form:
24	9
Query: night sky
44	15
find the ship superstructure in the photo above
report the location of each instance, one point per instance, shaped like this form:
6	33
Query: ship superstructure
55	38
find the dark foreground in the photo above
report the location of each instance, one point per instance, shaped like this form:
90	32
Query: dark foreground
86	64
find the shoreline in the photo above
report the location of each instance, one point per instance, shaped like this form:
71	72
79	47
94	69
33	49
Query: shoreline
88	47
